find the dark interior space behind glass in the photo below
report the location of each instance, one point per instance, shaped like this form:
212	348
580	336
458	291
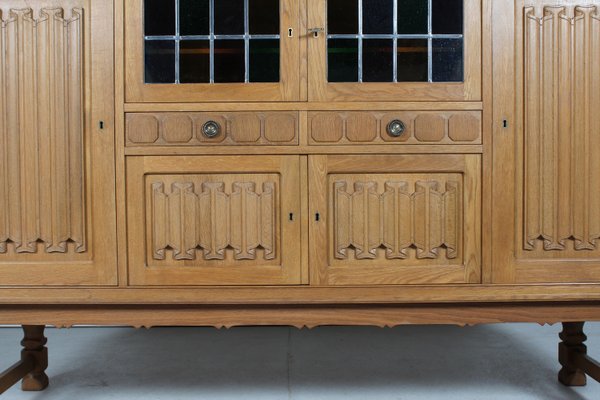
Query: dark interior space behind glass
395	40
211	41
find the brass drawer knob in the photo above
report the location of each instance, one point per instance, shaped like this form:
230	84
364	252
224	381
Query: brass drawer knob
396	128
211	129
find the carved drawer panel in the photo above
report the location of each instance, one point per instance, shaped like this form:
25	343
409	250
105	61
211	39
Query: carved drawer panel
417	127
212	129
214	220
395	219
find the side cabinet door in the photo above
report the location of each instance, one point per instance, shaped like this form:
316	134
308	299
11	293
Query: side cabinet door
378	220
206	220
546	168
57	205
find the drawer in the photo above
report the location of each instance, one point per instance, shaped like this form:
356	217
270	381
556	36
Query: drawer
415	127
212	129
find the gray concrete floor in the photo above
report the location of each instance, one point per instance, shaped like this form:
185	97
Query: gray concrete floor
507	361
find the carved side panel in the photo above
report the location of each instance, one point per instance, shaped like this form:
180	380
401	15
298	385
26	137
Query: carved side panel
221	218
42	131
561	185
397	217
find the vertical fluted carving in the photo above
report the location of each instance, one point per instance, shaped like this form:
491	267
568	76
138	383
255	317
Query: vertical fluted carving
425	219
186	219
42	131
561	127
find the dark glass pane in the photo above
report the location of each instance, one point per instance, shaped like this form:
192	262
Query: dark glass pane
412	60
229	61
447	16
159	17
342	56
229	17
342	16
264	60
263	17
412	16
159	62
378	60
194	61
448	60
194	17
378	16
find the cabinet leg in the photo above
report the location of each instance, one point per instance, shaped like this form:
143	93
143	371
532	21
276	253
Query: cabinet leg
33	344
572	337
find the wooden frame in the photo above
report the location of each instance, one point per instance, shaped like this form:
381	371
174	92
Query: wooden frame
433	268
321	90
284	267
287	89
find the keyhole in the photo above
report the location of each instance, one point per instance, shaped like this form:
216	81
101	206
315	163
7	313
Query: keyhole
291	216
101	124
504	123
290	32
317	217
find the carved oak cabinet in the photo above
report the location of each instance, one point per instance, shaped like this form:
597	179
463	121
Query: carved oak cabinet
299	162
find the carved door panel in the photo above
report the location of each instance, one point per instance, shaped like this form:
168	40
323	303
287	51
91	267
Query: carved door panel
394	219
546	225
214	220
57	205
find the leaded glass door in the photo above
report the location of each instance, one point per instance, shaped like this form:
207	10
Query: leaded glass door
212	50
394	50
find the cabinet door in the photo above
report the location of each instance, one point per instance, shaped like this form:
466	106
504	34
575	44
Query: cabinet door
386	220
546	168
57	195
211	50
394	50
223	220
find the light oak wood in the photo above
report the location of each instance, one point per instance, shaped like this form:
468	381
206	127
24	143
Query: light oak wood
304	211
237	129
546	225
57	165
287	89
300	316
421	127
214	221
394	219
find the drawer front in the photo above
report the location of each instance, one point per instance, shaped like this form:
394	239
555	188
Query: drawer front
416	127
394	219
212	129
214	220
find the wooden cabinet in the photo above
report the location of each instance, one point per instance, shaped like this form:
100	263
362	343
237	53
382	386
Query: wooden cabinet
214	220
57	172
546	195
385	220
310	162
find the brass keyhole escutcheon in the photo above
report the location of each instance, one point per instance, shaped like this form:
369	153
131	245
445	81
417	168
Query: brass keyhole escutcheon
396	128
211	129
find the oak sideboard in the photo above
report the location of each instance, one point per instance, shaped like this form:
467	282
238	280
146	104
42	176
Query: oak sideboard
299	162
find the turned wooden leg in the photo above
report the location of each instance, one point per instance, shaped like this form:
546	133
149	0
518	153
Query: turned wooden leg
34	346
572	337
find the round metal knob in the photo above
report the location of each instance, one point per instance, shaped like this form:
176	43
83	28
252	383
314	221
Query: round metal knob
396	128
211	129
